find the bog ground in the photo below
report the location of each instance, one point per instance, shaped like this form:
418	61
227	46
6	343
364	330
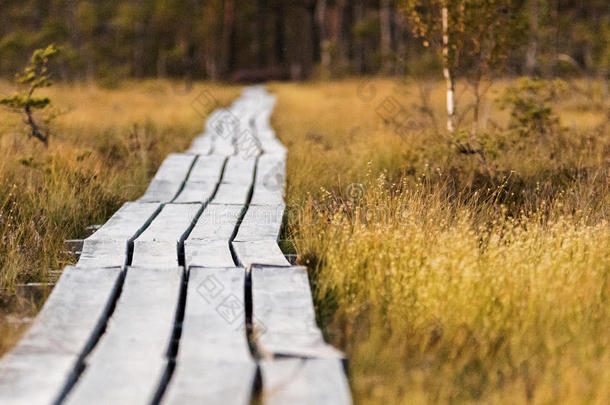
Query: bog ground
442	280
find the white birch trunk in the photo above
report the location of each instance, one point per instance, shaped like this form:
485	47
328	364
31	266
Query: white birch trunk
447	72
385	22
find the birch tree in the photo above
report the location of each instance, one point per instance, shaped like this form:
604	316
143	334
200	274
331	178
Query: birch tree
473	38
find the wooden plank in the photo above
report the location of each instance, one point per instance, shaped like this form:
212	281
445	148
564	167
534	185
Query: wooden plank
161	191
208	245
261	222
224	144
103	253
127	364
223	125
214	364
195	193
239	170
38	368
169	178
201	145
282	305
269	195
207	169
213	328
271	169
263	119
304	382
126	222
211	383
260	252
270	180
158	245
232	193
108	246
175	167
217	222
272	145
208	253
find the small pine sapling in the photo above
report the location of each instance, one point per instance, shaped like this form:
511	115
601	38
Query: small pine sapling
34	76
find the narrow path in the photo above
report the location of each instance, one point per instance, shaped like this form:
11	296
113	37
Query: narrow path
184	296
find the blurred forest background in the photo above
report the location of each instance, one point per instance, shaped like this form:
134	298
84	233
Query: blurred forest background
255	40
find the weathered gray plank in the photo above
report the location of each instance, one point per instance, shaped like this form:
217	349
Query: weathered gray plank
126	222
195	193
214	321
201	145
175	167
223	125
304	382
158	245
271	171
162	191
261	222
207	169
217	222
270	180
232	193
282	304
103	253
208	253
272	145
128	362
239	170
169	178
214	364
107	247
268	194
211	383
37	369
224	144
208	245
261	252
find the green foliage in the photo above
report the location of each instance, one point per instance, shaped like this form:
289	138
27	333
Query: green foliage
529	101
35	75
482	33
186	37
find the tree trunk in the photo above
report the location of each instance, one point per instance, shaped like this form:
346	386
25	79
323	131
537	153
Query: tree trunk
211	17
338	35
532	48
227	36
401	46
447	72
385	25
280	36
359	55
162	64
139	43
261	23
325	58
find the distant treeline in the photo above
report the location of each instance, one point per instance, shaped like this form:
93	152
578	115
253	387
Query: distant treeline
250	40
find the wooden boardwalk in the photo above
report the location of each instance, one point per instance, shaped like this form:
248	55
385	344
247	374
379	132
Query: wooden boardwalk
184	296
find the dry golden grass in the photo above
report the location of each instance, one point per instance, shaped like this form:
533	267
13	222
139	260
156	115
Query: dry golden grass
106	145
443	282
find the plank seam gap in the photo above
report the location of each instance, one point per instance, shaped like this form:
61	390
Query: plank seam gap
185	235
188	174
242	214
97	334
172	350
174	343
